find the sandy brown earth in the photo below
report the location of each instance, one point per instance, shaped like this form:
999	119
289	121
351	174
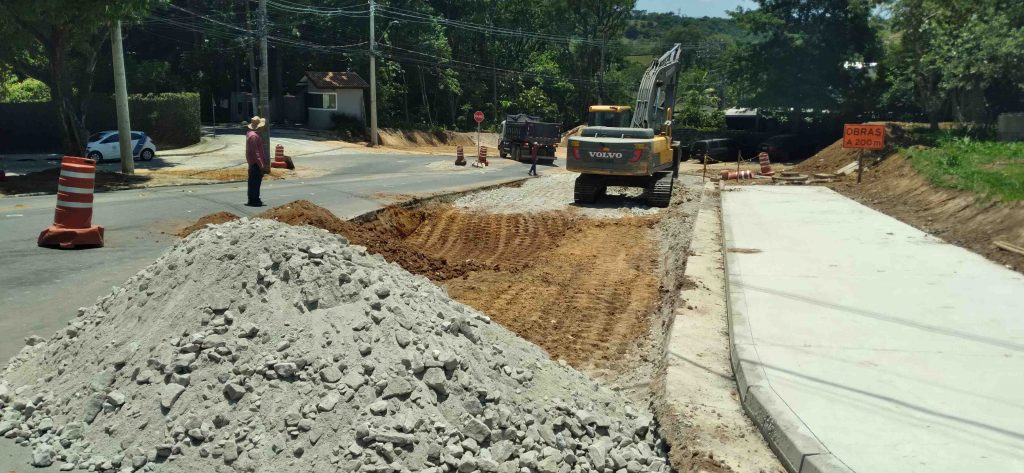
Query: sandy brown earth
46	181
580	288
590	300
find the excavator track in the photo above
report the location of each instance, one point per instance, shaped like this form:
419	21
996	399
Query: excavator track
659	190
587	189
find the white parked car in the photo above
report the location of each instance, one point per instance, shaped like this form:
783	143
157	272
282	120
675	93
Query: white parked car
105	145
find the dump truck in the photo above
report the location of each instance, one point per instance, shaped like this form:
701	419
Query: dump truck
631	146
521	131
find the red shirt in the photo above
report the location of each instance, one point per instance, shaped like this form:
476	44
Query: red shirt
254	149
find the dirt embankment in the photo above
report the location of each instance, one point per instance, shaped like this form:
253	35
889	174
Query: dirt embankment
441	140
582	289
46	181
892	186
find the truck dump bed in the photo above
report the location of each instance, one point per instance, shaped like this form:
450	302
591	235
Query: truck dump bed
528	129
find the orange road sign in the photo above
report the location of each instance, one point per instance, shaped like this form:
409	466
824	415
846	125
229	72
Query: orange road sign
864	136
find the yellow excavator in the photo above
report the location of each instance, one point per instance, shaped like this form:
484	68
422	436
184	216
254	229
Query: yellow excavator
623	146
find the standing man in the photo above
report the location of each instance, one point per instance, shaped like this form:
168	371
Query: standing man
533	157
254	156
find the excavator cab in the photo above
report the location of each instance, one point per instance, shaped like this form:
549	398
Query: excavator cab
616	116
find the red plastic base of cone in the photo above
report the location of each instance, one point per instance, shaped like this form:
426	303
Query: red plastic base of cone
278	164
67	238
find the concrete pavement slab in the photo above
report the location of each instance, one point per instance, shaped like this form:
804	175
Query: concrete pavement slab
897	351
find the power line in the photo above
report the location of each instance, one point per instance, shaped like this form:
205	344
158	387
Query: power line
360	12
278	40
435	60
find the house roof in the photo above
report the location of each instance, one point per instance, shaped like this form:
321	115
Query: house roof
336	80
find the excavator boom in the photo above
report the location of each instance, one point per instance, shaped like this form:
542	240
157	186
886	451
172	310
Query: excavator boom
657	93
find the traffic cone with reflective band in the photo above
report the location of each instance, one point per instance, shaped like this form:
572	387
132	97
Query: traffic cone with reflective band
72	220
766	165
729	175
481	159
460	159
279	161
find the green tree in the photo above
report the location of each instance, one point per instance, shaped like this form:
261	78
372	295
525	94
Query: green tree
957	54
795	51
56	42
15	90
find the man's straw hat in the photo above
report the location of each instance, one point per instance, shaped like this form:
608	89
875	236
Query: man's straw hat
255	123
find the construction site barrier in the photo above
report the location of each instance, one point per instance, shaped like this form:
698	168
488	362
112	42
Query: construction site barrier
72	220
481	159
766	165
279	160
460	159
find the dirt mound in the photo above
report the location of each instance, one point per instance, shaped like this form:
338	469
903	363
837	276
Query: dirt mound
229	174
385	236
573	132
834	157
580	288
215	218
417	139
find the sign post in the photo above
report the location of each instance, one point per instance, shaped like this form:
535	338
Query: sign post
479	117
862	137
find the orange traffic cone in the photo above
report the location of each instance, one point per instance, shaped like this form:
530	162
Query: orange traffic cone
72	220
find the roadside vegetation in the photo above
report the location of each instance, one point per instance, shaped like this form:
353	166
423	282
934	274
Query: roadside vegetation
958	160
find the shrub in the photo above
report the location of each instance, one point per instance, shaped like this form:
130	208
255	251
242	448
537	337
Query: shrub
348	128
170	119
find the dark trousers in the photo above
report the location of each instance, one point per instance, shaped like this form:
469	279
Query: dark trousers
533	168
255	179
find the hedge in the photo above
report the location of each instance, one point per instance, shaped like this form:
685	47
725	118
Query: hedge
170	119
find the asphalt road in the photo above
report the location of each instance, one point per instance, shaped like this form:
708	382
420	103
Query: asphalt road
41	289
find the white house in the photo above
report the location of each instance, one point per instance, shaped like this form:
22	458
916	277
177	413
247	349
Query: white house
330	93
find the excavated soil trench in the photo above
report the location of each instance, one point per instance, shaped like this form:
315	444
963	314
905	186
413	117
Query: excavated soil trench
582	289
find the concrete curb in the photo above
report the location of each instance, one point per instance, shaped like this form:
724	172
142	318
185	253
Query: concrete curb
798	449
199	153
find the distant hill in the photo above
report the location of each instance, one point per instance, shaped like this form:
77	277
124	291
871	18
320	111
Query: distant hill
650	33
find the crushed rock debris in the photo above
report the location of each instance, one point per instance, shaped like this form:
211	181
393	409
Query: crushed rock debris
554	192
258	346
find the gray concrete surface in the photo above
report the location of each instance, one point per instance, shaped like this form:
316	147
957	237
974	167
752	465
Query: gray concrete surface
862	344
40	289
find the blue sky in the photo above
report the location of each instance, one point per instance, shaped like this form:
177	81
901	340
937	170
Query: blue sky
694	7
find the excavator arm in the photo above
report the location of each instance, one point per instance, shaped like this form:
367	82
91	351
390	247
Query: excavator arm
657	94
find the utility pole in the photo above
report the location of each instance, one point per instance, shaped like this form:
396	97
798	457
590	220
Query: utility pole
124	127
252	64
264	84
373	78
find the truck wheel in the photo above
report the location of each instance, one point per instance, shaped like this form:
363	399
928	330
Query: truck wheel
659	189
517	153
587	189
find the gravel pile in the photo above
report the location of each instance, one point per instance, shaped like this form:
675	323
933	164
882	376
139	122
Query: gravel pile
554	192
258	346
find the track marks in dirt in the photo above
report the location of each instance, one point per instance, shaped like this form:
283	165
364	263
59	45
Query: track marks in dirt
587	300
510	240
583	289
